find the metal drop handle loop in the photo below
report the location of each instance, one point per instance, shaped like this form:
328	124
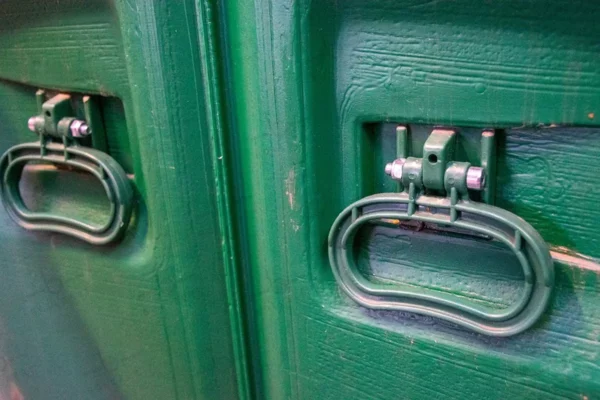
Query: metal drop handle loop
528	246
111	175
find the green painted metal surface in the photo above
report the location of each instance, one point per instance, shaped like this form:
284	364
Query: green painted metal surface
313	85
245	127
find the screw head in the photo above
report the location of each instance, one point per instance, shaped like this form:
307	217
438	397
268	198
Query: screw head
475	178
394	169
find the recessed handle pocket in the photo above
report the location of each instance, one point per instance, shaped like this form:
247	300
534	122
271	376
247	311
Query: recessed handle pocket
436	191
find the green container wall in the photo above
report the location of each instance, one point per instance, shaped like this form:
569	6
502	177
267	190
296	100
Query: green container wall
311	83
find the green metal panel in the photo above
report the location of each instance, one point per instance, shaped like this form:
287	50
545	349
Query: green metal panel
312	87
152	316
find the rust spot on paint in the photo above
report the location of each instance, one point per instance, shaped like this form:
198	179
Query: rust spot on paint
591	115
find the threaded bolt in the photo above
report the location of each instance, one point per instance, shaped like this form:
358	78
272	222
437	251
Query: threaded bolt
31	122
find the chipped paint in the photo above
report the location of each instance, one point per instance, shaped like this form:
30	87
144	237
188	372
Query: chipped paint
571	258
290	188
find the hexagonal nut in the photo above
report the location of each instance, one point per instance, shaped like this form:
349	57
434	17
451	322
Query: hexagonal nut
79	128
394	169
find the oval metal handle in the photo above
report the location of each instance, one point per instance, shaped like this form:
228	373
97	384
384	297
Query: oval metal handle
101	165
527	244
